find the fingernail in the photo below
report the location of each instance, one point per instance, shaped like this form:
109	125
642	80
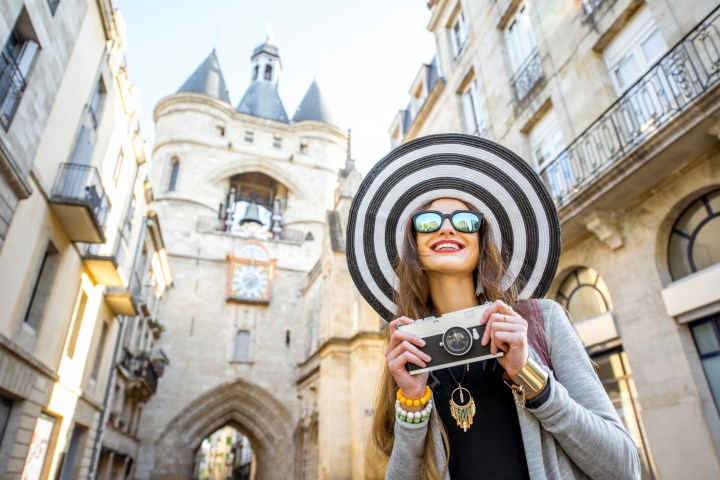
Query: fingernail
422	342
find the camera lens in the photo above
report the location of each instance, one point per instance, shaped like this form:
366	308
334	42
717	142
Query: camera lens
457	340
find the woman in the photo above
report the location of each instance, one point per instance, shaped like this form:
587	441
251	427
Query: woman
463	222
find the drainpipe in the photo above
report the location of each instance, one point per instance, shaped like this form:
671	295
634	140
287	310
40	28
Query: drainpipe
124	319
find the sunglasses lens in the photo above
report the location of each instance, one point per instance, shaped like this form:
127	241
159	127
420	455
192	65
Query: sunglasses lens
428	222
466	222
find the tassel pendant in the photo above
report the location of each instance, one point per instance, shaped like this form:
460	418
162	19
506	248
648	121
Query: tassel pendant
463	413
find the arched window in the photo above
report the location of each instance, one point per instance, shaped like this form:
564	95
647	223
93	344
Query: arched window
268	72
255	72
174	171
694	237
242	346
584	294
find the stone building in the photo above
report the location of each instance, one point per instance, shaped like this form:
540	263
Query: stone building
616	104
81	258
265	332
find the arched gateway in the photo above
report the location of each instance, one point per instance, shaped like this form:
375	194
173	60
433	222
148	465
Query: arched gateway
250	409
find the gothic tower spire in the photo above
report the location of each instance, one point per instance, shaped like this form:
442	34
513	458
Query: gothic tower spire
261	98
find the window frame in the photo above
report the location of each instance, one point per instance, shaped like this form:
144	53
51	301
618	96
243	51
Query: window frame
247	358
19	63
629	42
473	111
702	203
174	174
520	45
458	33
574	275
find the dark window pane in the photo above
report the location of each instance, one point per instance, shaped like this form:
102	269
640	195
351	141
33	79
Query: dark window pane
706	248
706	339
712	372
678	256
691	218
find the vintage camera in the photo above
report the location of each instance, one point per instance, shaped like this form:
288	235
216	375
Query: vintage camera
451	339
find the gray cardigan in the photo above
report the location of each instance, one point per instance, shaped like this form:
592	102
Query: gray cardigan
576	433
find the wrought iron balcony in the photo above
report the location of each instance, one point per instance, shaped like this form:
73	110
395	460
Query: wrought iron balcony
78	200
592	7
126	300
685	74
141	374
12	86
529	76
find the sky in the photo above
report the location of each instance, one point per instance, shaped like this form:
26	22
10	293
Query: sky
364	54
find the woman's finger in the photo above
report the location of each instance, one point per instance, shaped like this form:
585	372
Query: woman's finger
407	347
398	363
400	336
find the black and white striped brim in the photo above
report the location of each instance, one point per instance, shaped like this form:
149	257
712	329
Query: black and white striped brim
482	174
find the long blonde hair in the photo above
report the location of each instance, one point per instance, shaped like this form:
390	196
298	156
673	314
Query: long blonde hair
413	300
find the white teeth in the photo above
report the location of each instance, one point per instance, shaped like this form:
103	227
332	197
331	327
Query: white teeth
443	246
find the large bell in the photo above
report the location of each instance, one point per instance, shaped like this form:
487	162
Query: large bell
252	215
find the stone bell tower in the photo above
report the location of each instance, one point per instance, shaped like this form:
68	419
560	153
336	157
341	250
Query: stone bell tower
252	203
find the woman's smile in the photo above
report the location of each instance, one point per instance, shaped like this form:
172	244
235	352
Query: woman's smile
447	246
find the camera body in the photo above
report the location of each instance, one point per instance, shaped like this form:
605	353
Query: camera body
451	339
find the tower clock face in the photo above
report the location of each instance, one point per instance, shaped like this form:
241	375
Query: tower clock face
250	283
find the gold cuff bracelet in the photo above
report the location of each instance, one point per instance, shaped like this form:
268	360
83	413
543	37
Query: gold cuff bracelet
528	382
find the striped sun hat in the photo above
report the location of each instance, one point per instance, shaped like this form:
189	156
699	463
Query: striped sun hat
478	172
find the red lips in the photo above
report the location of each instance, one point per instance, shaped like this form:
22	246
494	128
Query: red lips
439	244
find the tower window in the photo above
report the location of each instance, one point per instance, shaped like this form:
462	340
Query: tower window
249	136
268	72
242	346
174	172
277	142
255	73
303	147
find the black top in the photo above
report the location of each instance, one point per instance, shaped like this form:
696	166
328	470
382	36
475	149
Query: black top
493	446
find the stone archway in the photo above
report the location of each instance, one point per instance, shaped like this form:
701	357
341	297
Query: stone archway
247	407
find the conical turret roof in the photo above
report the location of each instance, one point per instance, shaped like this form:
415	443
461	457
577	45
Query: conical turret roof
262	100
314	107
207	79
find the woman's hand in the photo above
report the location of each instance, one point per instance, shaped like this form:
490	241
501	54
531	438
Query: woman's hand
506	331
404	348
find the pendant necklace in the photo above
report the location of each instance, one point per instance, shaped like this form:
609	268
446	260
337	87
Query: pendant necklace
463	413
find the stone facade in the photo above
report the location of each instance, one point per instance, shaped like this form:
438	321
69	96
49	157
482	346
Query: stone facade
623	161
273	368
72	229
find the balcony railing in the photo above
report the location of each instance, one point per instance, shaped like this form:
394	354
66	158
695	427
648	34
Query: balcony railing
12	86
141	369
592	7
80	202
527	77
683	75
214	224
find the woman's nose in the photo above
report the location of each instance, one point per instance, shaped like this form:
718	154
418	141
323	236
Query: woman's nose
446	226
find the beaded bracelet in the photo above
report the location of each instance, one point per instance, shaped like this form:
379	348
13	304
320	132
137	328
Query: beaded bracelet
410	402
413	417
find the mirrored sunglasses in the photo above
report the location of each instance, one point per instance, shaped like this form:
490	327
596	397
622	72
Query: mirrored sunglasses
465	221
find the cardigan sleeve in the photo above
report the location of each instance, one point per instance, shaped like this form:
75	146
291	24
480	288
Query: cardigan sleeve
406	457
578	412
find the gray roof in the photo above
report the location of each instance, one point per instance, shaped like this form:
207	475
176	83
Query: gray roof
267	48
262	100
314	107
207	79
